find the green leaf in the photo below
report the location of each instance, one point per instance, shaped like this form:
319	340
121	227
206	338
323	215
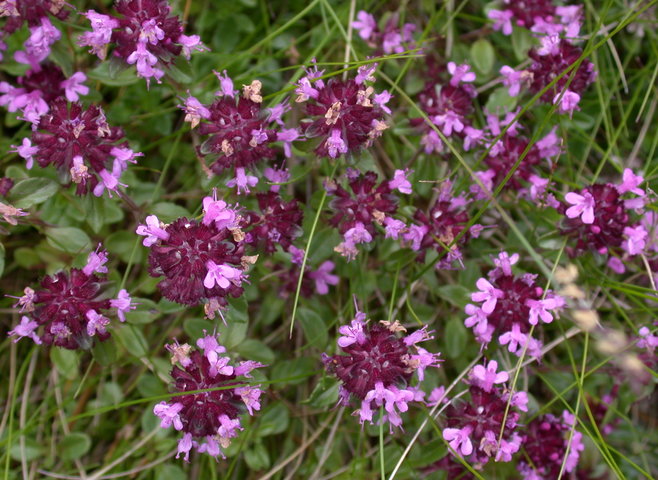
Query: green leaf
65	361
483	56
457	295
133	340
2	259
32	450
257	457
254	350
314	327
121	244
105	353
74	446
500	102
194	327
522	41
32	191
68	239
283	371
168	212
325	393
232	334
274	420
112	76
455	337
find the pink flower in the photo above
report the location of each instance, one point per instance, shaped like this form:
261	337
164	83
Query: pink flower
636	238
222	275
400	182
73	86
630	183
354	333
97	323
568	101
487	377
512	80
194	110
123	304
242	181
539	309
459	439
335	144
487	294
95	262
226	84
219	212
190	44
101	35
502	20
153	231
26	328
505	262
169	414
583	206
515	338
276	176
323	277
460	73
393	227
26	151
365	24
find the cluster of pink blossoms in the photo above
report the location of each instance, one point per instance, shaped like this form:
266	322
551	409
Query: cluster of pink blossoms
209	416
600	218
484	428
241	133
144	34
390	39
71	307
509	307
376	367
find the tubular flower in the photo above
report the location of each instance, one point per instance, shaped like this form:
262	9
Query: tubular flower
377	365
240	131
81	145
392	39
208	420
545	442
510	306
71	307
198	260
472	428
345	115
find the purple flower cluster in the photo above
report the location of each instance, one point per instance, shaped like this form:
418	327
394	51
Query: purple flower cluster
377	365
199	260
483	428
390	39
366	205
71	307
209	416
345	115
600	218
81	145
314	281
509	307
144	34
241	133
546	441
443	228
448	105
38	88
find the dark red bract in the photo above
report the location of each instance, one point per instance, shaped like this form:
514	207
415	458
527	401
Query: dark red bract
366	202
69	130
200	413
508	153
381	358
47	81
182	258
239	134
607	230
279	224
545	68
339	106
63	301
134	14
